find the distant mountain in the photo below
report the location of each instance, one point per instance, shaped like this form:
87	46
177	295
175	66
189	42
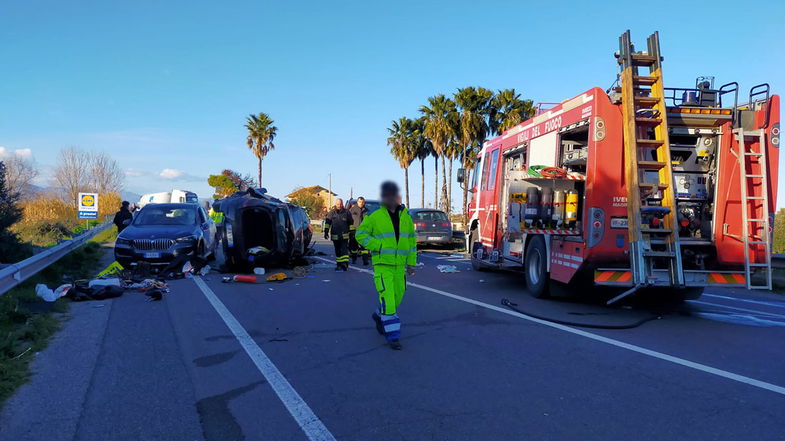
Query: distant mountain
34	190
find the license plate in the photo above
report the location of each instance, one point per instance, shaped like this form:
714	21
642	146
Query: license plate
152	255
618	222
434	238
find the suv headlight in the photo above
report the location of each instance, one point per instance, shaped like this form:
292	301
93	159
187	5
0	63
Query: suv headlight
121	241
186	239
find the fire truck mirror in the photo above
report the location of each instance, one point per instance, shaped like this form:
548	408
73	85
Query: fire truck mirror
461	175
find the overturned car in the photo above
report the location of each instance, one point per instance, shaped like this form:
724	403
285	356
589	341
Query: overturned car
259	230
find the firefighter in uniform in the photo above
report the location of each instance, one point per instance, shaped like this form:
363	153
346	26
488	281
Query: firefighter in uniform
358	212
336	227
388	233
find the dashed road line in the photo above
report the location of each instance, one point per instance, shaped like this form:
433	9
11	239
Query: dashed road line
596	337
310	424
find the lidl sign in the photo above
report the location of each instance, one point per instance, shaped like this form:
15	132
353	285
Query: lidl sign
88	205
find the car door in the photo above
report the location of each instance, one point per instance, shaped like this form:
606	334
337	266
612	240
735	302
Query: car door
489	218
208	229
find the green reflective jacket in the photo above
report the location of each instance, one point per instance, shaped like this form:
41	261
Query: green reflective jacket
216	216
377	235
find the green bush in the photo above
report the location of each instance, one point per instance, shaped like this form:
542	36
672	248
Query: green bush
43	233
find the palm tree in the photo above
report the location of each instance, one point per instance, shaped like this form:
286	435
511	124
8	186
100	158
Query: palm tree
424	149
507	110
439	129
474	108
452	153
403	147
261	133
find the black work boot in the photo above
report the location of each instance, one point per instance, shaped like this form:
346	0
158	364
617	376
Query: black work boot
354	260
378	321
395	345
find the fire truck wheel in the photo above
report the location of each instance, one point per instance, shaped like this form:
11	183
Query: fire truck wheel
535	268
476	264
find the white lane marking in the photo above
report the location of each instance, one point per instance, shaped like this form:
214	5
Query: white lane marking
757	302
311	425
753	311
630	347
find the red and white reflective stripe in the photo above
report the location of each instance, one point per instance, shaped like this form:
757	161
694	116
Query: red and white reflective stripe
541	231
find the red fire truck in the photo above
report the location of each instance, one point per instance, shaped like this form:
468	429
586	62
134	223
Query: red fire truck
640	186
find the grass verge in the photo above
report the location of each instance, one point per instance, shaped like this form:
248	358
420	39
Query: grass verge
27	322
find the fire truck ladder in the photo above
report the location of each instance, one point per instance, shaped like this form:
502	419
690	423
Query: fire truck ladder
653	236
754	204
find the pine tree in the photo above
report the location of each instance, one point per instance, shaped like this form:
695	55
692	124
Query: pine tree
11	248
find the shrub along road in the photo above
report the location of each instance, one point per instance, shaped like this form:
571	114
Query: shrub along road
301	359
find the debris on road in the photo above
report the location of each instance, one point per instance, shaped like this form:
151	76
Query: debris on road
82	292
49	295
447	269
300	271
245	279
154	294
277	277
113	268
258	271
113	281
148	284
255	251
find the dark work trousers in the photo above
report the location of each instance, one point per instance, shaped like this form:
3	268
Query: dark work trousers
341	253
356	250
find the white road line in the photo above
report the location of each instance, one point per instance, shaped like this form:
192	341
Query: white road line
757	302
630	347
313	427
753	311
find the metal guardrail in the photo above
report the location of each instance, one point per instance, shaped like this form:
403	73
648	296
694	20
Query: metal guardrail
16	273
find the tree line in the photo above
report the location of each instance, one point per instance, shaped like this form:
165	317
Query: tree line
454	128
44	216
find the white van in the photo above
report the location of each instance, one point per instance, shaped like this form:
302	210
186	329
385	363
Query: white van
176	196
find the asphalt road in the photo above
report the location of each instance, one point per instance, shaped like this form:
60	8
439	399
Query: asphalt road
300	359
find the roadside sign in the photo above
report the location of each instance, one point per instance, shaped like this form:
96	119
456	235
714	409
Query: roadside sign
88	205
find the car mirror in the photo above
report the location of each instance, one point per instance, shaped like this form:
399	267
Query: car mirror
461	175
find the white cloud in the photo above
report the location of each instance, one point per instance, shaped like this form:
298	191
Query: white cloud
171	173
19	153
23	153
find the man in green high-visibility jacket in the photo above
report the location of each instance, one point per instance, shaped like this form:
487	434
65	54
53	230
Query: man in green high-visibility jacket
388	233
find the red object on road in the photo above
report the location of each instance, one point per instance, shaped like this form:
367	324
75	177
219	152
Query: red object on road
245	279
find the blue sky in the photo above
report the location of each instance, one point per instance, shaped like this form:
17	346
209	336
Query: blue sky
167	85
